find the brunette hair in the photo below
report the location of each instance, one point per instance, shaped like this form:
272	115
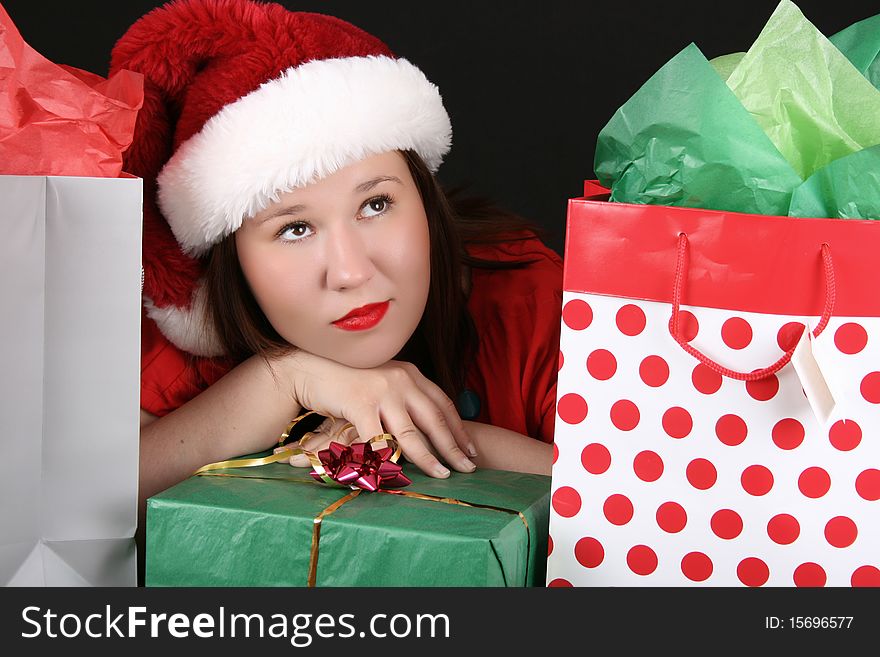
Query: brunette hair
445	340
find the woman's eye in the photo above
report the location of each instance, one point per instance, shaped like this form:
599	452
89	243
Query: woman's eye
375	206
295	232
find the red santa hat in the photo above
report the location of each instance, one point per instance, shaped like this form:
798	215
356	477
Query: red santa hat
244	101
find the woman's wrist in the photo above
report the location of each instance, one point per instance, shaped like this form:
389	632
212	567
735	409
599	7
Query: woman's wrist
290	370
503	449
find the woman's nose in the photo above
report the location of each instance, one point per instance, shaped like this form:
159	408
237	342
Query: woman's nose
349	263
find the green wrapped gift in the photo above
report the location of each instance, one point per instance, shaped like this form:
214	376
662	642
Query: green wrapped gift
256	527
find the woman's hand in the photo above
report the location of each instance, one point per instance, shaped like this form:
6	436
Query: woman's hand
393	398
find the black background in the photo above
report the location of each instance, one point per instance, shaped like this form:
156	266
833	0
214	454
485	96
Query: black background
528	84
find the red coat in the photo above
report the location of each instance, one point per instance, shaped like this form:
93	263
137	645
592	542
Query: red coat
516	313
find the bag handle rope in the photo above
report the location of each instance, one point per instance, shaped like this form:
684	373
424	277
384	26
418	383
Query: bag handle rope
681	271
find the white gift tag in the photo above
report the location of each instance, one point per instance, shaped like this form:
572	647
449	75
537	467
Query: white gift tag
812	378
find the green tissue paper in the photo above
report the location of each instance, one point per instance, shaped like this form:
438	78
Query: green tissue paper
814	112
790	127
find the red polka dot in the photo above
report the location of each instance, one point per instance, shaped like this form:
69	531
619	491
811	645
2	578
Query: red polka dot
671	517
654	371
726	524
841	532
631	320
706	380
688	326
868	485
851	338
577	314
845	435
866	576
871	387
566	501
549	545
642	560
625	415
701	474
677	422
788	335
572	408
736	333
814	482
753	572
788	433
596	458
589	552
731	430
561	362
560	583
809	575
757	480
601	364
783	529
555	452
648	466
696	566
763	389
618	509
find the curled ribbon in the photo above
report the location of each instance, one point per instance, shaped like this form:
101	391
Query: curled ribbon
358	466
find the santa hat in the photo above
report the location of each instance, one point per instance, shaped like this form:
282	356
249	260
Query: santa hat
244	101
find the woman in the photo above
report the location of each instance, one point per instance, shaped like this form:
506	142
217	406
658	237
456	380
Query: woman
299	253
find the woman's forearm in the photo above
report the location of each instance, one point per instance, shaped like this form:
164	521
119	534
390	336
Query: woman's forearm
502	449
243	412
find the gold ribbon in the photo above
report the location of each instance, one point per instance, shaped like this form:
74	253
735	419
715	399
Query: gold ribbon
299	449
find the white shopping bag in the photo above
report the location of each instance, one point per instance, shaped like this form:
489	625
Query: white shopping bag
673	468
70	262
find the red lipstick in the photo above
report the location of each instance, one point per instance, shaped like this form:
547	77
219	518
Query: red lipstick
363	318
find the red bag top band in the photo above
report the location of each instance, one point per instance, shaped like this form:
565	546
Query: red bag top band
752	263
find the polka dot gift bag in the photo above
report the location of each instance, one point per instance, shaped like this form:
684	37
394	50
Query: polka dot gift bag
703	435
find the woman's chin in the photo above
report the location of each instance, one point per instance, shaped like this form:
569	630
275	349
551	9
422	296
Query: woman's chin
361	361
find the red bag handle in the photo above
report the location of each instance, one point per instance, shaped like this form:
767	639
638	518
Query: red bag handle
680	278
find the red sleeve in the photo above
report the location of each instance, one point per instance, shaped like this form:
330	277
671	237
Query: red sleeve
517	316
171	377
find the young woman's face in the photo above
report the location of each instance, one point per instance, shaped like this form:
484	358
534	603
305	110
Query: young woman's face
341	267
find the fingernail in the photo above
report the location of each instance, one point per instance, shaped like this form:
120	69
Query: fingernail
441	471
472	451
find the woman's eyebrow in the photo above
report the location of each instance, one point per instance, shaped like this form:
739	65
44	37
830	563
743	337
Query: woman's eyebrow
369	184
282	211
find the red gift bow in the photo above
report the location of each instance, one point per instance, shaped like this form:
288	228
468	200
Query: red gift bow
360	466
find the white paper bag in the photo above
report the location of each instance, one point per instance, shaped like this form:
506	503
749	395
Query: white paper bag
70	261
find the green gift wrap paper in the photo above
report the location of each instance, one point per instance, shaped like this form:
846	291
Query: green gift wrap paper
255	529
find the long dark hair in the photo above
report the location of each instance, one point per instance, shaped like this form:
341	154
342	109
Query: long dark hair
445	340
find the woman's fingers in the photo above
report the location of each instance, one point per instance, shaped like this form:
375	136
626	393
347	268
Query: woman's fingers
416	451
452	421
435	428
332	429
396	398
417	446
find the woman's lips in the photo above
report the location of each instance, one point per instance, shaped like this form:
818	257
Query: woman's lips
363	318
